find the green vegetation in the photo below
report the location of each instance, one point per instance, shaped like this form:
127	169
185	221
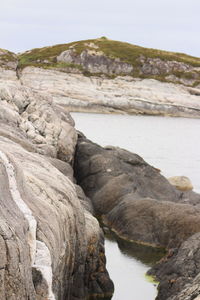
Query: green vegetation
6	57
130	53
151	279
124	51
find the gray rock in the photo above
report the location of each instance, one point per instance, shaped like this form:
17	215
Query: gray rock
77	92
95	62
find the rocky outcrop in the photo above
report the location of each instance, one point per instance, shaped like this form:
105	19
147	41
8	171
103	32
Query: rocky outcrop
44	124
51	247
77	92
94	61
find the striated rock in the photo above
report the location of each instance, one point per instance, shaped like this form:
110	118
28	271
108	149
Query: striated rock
47	126
51	247
56	232
121	94
182	183
133	198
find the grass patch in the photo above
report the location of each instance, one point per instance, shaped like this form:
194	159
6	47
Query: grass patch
6	57
51	65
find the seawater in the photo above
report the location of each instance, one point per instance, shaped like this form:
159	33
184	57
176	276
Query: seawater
169	144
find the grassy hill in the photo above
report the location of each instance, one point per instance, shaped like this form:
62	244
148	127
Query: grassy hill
124	51
145	62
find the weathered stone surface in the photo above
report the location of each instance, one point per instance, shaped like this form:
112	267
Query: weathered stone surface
182	183
133	198
121	94
47	126
51	247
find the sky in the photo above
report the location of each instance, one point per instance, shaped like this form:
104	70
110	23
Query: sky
172	25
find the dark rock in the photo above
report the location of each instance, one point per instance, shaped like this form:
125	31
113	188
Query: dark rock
179	271
136	202
133	198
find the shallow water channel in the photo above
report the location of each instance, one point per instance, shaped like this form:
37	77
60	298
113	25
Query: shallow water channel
127	264
170	144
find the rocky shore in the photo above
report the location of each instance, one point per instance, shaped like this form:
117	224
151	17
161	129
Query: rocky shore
55	184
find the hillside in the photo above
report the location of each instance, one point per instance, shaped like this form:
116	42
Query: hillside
8	60
112	58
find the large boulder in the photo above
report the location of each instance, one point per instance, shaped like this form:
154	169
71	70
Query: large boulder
133	198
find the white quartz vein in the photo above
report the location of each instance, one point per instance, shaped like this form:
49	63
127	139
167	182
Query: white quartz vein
39	252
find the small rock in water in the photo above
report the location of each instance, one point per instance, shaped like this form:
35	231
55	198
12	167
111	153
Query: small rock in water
182	183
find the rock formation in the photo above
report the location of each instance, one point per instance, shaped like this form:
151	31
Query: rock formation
50	244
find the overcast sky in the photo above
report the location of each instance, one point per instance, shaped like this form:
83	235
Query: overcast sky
163	24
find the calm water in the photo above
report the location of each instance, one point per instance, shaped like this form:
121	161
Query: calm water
170	144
